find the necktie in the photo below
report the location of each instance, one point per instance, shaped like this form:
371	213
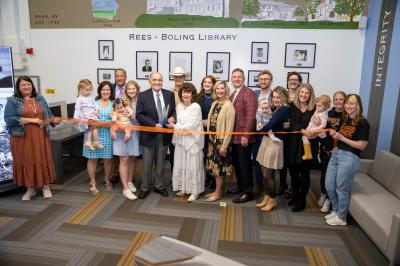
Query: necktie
159	108
121	92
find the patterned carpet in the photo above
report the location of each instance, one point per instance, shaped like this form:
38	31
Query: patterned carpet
77	228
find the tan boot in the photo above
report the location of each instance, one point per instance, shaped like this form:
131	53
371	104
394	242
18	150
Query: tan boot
263	202
270	205
307	151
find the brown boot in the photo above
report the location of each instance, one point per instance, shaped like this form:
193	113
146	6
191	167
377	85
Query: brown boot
263	202
270	205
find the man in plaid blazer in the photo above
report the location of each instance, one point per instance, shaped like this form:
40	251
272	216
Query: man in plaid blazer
245	102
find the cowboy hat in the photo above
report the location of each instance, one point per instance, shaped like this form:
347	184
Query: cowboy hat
178	71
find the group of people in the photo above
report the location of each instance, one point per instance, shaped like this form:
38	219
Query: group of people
213	137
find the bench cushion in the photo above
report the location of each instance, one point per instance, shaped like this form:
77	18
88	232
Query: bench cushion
384	170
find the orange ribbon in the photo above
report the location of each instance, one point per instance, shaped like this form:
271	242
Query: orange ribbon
170	130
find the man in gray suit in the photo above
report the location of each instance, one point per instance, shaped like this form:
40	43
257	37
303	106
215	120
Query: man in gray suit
153	106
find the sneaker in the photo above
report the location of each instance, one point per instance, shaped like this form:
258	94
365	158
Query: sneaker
193	197
131	187
128	194
330	216
46	192
327	206
336	221
31	192
321	200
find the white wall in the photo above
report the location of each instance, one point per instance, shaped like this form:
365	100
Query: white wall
62	57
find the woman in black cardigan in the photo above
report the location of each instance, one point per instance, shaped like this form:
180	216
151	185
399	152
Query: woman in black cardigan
300	113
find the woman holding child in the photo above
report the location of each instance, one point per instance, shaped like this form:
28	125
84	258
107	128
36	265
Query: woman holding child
300	113
103	102
270	155
125	141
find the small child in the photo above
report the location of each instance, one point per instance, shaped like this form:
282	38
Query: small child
318	122
85	109
121	114
263	115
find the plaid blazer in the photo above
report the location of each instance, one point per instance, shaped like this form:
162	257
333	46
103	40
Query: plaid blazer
245	105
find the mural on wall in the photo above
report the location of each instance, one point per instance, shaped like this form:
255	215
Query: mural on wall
106	9
311	14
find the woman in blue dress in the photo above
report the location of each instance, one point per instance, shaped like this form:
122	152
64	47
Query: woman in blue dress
104	98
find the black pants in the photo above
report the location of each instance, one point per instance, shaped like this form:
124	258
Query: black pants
171	155
243	169
269	181
324	152
300	176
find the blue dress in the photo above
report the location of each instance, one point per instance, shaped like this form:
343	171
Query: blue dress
104	135
131	147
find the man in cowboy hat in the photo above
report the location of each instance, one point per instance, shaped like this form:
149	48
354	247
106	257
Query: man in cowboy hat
179	76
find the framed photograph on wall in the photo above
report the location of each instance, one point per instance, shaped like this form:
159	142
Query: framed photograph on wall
183	60
106	50
252	78
300	55
218	65
106	74
259	52
146	62
305	76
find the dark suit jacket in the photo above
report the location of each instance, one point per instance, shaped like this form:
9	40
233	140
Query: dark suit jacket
146	114
245	119
146	69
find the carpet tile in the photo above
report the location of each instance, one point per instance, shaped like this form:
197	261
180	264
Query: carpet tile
77	228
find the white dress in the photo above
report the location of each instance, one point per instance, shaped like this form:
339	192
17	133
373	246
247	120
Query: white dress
188	172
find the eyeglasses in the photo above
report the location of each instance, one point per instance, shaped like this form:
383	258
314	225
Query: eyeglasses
264	79
294	80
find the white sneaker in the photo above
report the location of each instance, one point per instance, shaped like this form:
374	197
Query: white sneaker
131	187
128	194
193	197
336	221
46	192
327	206
321	200
180	194
330	216
31	192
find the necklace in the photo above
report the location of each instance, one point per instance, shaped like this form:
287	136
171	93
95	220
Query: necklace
207	96
32	105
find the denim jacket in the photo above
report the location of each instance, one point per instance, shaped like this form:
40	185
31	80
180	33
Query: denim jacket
13	114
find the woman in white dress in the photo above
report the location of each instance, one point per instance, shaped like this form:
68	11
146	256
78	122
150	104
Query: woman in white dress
188	172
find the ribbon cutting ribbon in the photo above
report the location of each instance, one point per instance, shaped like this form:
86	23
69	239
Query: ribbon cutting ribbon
170	130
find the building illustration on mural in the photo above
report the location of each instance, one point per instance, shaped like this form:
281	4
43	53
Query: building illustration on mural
215	8
104	9
306	10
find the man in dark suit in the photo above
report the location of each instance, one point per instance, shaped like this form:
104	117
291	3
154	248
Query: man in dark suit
153	106
147	67
245	102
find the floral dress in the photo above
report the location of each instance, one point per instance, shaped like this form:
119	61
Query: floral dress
216	164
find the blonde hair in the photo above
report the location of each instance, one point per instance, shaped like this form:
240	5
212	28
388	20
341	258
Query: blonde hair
355	99
283	93
325	100
214	94
128	99
311	101
84	83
